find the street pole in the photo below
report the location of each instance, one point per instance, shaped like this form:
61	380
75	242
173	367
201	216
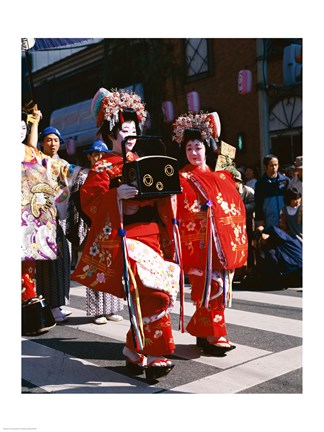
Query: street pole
262	67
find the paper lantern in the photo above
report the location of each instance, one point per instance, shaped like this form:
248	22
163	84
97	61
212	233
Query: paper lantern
148	122
168	112
244	81
70	146
193	101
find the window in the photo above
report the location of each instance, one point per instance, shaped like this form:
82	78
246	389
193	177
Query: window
197	56
285	127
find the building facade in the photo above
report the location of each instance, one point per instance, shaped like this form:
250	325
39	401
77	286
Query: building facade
259	116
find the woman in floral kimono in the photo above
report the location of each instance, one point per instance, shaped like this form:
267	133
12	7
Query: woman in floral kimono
53	275
38	224
38	212
211	217
127	242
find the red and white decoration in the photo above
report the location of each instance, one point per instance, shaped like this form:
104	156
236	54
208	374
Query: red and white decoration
244	81
148	122
193	102
70	146
168	111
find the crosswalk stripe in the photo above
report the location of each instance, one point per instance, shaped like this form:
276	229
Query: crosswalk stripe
270	323
185	343
245	367
259	321
246	375
251	296
252	319
69	374
185	347
273	299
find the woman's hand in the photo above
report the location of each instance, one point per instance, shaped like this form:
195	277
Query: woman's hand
34	119
125	191
37	113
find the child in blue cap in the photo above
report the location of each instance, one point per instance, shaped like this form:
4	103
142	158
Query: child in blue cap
102	306
95	151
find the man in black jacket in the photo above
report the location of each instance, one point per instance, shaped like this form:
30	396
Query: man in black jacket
269	193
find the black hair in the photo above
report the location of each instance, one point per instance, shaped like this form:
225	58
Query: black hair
128	114
193	134
268	158
291	194
104	132
254	169
190	134
24	116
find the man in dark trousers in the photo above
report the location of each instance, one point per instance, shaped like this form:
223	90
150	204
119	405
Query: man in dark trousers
269	193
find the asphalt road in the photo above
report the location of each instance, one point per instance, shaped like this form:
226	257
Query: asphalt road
81	363
266	327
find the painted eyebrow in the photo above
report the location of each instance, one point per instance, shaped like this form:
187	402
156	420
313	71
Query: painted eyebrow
128	128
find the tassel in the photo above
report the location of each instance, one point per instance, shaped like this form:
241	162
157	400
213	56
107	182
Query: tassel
137	311
230	291
134	312
122	232
178	251
208	270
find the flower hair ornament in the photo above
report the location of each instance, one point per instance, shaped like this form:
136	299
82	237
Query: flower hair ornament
207	123
107	105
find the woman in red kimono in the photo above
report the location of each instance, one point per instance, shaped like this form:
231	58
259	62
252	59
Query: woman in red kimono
127	242
211	217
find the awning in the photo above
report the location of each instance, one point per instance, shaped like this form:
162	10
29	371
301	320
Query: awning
75	122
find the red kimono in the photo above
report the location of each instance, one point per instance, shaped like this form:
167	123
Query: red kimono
211	217
138	248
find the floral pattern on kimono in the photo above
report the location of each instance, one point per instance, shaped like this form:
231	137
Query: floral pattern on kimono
227	226
155	272
46	184
38	212
64	174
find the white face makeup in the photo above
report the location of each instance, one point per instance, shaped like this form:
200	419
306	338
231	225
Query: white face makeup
127	128
196	153
23	130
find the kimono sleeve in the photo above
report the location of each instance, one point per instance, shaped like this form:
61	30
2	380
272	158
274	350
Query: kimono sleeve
94	190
